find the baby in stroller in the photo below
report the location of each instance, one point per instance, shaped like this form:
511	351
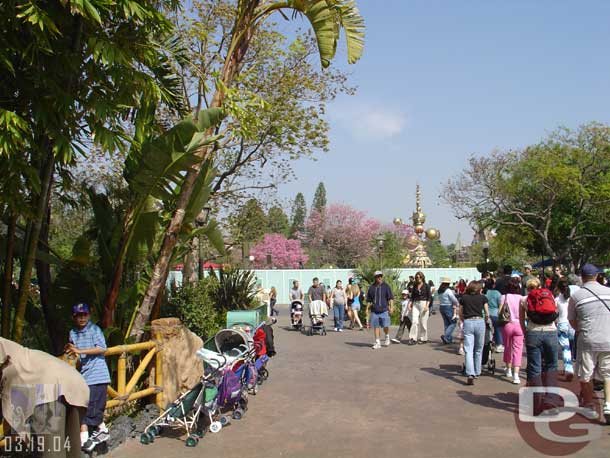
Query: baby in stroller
318	310
296	315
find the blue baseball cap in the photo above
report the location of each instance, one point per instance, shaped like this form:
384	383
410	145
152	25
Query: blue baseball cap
80	308
589	270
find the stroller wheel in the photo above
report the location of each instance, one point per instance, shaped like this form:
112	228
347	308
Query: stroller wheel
238	414
492	366
192	441
155	430
264	374
144	439
215	427
224	420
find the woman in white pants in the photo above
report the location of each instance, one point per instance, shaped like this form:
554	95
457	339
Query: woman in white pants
419	307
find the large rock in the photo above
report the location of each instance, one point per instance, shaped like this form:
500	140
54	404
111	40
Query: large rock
182	369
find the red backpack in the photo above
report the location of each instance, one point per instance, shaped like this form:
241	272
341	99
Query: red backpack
541	307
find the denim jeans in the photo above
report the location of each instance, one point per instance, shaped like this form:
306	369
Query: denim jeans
497	331
565	335
339	315
447	314
542	349
474	340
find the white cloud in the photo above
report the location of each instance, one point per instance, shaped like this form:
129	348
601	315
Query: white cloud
365	122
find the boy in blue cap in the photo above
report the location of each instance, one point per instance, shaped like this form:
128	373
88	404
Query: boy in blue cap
88	342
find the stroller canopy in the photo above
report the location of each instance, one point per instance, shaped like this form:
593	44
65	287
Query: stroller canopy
229	341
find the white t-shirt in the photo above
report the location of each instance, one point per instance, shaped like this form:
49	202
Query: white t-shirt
562	309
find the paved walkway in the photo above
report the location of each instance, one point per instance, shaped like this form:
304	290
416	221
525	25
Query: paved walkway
333	396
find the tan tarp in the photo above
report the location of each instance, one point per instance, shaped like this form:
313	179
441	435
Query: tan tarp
182	369
33	378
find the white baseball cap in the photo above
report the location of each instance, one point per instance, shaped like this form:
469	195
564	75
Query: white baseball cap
405	291
378	273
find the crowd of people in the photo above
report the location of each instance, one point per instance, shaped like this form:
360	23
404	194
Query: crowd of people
554	315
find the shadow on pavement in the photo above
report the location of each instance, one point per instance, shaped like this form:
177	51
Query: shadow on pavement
499	401
359	344
447	371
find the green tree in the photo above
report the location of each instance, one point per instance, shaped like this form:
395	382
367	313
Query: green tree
394	250
249	224
299	213
438	253
77	54
327	18
319	198
551	196
277	221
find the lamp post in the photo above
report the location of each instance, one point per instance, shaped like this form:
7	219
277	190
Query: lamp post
485	245
380	242
200	221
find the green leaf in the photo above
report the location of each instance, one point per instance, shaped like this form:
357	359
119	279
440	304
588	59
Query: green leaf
209	118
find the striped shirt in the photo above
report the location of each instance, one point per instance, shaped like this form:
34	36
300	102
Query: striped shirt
592	316
93	367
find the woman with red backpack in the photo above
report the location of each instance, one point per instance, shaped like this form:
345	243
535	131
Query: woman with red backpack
540	311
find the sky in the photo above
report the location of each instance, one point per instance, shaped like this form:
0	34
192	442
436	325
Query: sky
440	81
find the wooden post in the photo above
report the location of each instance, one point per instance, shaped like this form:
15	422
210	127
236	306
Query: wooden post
121	376
159	398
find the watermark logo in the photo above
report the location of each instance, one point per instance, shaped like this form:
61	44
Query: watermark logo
552	422
32	408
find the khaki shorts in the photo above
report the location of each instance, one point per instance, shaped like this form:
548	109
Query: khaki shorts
588	361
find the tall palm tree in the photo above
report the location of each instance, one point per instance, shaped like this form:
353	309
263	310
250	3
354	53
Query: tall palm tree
327	19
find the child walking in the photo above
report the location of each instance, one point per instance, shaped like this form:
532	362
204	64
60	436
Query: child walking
87	341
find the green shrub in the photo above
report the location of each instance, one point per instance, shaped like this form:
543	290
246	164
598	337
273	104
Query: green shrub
195	305
236	289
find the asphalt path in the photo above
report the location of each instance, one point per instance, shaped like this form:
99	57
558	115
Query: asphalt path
334	396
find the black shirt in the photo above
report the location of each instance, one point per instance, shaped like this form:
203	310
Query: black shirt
473	305
422	294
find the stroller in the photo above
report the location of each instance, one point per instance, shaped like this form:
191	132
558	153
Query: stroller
195	411
296	315
489	349
318	310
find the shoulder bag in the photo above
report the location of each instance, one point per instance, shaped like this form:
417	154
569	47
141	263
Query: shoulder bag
504	318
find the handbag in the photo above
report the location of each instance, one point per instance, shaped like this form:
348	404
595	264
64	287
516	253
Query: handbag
504	318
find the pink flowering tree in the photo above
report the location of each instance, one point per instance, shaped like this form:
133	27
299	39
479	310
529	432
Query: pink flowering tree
341	235
285	253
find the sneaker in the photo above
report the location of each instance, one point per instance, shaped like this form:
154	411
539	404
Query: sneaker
589	412
95	439
508	372
422	342
386	342
412	342
606	413
376	346
461	351
500	349
516	380
336	329
444	340
470	380
396	341
340	329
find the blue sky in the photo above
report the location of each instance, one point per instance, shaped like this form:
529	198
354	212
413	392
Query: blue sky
442	80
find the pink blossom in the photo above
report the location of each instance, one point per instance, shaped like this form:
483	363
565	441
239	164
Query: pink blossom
343	232
285	253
